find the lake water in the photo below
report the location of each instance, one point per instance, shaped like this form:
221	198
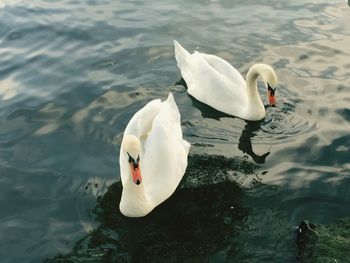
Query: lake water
72	73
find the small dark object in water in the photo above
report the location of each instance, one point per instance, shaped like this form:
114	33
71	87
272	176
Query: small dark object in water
302	57
303	232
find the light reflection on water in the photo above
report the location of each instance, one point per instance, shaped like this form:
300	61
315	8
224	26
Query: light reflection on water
73	73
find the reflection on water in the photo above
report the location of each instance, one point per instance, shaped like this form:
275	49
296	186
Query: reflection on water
72	74
245	143
249	131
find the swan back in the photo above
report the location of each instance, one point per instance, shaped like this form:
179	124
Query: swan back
166	147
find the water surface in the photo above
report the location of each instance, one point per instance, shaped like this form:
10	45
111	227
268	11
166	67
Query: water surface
73	73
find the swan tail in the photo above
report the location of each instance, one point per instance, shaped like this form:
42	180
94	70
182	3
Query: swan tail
181	55
172	103
171	100
174	110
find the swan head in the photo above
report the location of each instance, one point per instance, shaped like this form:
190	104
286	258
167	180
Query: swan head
131	147
269	77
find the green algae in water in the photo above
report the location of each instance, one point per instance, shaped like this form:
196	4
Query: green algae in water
192	225
200	220
330	243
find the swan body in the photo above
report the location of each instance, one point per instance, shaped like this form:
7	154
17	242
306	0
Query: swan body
213	81
153	157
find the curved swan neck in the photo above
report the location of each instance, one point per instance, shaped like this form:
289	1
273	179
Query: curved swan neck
251	82
136	191
134	201
255	105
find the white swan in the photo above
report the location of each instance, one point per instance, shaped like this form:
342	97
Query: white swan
153	157
215	82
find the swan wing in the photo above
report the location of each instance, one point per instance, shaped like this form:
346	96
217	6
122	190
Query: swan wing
165	158
212	80
223	67
141	123
216	83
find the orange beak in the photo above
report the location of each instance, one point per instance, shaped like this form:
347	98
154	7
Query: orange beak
135	172
271	96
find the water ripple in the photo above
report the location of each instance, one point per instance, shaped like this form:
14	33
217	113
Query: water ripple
287	122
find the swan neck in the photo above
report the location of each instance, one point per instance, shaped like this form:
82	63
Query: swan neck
255	109
134	201
137	192
251	81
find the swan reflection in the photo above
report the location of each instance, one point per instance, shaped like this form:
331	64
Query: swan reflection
250	130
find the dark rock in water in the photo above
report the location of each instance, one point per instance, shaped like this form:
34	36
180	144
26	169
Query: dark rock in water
326	243
303	233
201	218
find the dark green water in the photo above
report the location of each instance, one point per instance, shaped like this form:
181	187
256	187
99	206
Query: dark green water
72	73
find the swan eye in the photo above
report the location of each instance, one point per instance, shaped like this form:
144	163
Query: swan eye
132	160
272	91
136	163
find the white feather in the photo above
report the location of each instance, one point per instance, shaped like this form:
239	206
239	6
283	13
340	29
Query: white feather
163	157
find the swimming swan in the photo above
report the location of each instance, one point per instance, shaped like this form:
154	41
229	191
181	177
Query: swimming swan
153	157
213	81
